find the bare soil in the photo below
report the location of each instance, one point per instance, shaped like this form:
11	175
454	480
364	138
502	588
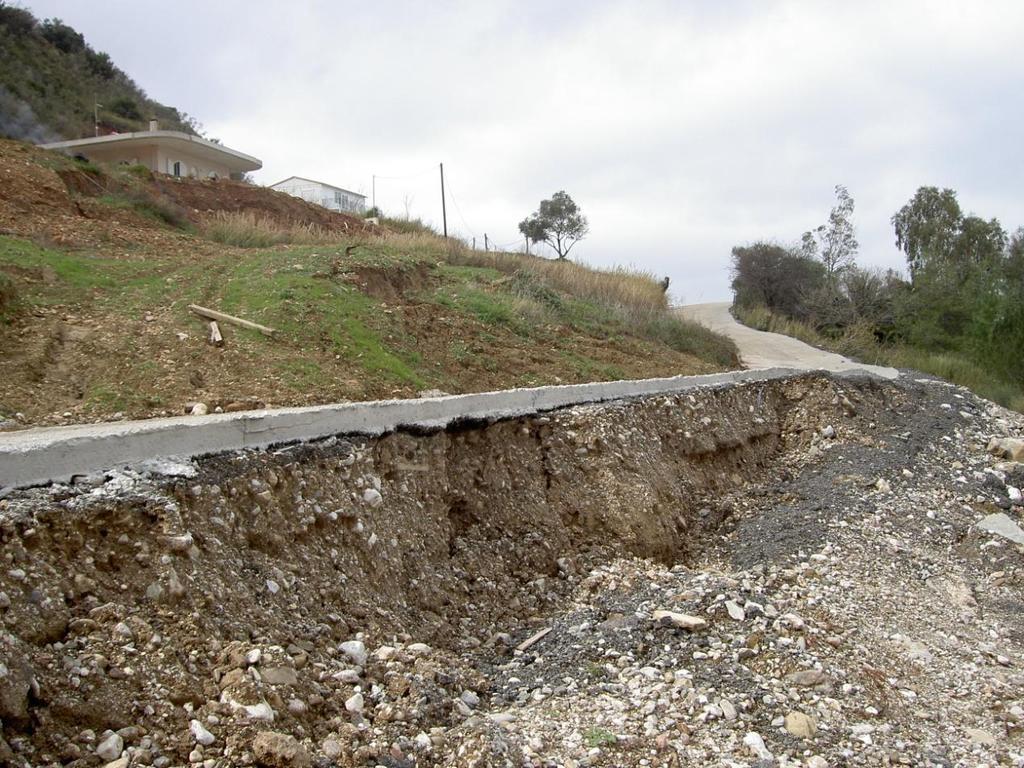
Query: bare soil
139	602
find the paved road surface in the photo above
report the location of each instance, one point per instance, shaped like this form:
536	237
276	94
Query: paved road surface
759	349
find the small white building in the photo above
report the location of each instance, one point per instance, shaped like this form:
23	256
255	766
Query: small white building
331	197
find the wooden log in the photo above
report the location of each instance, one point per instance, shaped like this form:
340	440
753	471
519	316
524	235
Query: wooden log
215	338
212	314
533	639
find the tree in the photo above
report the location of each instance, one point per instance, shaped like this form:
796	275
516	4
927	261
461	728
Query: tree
557	222
768	275
834	243
979	242
936	236
63	37
927	227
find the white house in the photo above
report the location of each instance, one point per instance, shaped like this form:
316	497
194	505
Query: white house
334	198
171	152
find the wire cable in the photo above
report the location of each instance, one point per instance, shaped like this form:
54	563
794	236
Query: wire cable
448	191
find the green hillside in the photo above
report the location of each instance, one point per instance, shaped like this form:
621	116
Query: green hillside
50	79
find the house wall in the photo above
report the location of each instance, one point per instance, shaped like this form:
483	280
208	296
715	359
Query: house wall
190	165
321	194
156	159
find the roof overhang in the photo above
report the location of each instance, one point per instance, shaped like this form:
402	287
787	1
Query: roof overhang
237	161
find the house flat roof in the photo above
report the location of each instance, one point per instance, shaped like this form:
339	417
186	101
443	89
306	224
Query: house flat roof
321	183
235	160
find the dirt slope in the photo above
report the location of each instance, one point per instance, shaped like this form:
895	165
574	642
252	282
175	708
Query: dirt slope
360	602
48	196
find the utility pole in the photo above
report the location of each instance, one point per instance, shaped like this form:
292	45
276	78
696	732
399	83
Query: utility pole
96	114
444	210
485	242
474	242
374	193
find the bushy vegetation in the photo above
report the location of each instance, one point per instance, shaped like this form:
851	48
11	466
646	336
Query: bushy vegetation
50	76
960	315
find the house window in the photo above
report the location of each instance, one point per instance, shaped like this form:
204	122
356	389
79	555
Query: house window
177	168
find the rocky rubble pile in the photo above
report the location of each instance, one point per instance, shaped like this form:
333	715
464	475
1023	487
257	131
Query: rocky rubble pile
785	575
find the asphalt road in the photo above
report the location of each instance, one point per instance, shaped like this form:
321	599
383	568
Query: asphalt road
759	349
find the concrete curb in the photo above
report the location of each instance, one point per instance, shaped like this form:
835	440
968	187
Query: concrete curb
40	456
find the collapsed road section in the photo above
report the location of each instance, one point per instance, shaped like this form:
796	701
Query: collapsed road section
784	571
38	456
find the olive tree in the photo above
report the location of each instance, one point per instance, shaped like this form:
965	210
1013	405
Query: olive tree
557	222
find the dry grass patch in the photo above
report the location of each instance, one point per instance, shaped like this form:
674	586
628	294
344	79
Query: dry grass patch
632	297
246	229
635	294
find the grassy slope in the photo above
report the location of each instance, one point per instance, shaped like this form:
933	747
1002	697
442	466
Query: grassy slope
393	319
862	346
98	267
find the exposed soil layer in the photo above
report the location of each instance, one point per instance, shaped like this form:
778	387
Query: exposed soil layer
358	602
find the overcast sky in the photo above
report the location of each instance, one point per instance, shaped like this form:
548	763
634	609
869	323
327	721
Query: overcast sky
680	128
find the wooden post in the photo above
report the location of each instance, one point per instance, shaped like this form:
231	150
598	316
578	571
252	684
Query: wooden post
444	210
215	338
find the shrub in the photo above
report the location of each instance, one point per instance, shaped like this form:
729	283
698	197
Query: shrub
768	275
63	37
126	107
18	21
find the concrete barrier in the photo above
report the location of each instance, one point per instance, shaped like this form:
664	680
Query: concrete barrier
55	454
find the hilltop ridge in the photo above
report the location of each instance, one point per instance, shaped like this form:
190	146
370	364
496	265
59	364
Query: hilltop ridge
51	80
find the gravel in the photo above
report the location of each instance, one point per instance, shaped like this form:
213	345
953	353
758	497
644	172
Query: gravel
695	580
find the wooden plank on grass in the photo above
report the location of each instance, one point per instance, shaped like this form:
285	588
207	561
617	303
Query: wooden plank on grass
212	314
